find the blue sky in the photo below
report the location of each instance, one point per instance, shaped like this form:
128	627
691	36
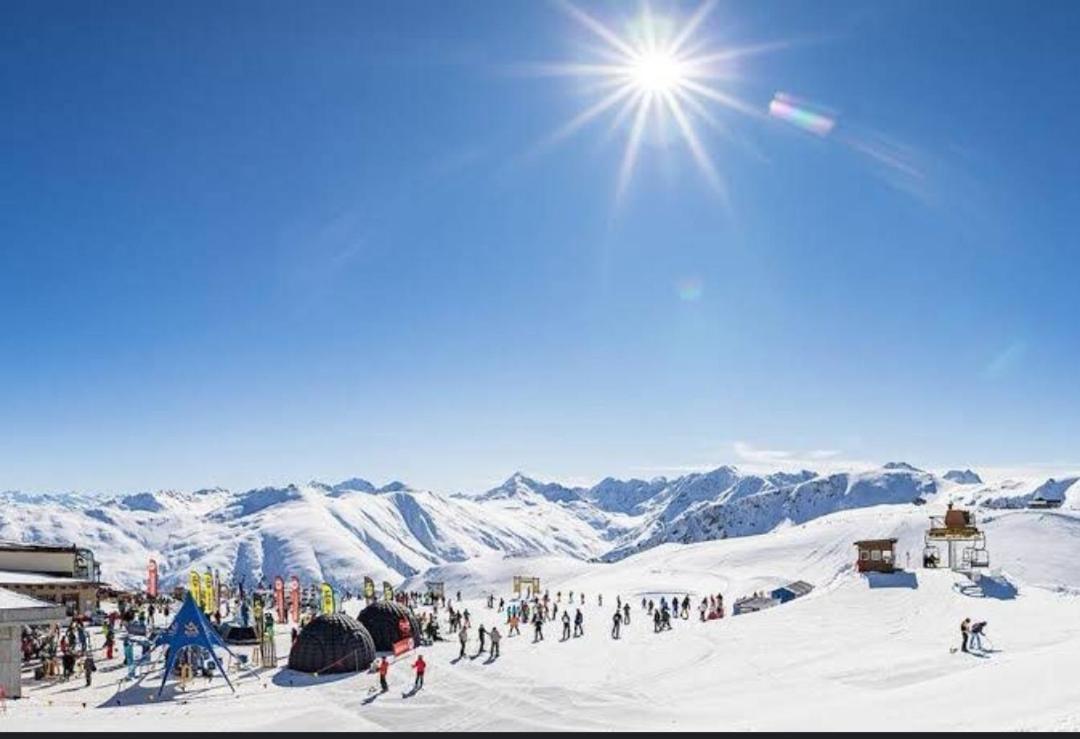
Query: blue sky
256	242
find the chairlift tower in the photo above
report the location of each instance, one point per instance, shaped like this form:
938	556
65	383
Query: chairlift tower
963	540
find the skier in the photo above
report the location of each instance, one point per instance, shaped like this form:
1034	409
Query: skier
665	619
495	637
965	628
129	658
616	623
384	667
579	623
656	621
420	666
463	637
515	622
643	603
502	604
483	634
565	625
600	600
626	613
686	606
976	635
538	627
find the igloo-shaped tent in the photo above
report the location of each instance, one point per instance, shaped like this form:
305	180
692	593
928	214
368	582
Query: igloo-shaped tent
332	643
383	621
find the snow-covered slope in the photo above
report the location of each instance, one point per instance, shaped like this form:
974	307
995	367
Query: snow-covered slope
344	532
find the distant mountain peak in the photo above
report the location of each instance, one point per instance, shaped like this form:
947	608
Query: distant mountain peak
901	466
963	477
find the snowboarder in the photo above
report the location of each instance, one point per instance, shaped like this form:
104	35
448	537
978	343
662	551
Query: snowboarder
384	667
420	666
565	625
616	623
495	637
579	621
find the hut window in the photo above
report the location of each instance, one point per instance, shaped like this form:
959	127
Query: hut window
876	555
864	555
887	556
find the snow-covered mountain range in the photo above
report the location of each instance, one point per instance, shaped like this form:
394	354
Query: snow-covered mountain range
341	533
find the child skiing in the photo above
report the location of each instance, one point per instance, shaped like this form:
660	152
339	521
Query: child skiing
384	667
420	666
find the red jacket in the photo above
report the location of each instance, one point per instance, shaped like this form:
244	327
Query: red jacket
384	667
419	665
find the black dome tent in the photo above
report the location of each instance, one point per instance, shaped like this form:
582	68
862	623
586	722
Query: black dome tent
332	643
383	621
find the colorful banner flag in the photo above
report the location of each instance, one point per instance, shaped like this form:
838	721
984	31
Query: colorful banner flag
279	598
369	588
195	587
327	599
209	597
294	599
387	591
151	579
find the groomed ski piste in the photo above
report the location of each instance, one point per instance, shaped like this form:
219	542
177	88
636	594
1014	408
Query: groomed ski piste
854	653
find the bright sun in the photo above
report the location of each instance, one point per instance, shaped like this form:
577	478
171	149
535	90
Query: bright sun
658	72
655	73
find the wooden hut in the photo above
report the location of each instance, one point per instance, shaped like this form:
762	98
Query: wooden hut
876	555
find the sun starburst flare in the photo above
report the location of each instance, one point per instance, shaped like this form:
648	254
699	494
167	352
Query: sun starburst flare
656	74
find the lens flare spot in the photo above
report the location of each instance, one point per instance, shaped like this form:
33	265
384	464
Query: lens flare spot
801	114
690	289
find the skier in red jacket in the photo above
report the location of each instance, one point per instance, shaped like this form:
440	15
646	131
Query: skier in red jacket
419	665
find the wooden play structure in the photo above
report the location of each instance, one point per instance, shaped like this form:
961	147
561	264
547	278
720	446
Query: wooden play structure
526	586
965	544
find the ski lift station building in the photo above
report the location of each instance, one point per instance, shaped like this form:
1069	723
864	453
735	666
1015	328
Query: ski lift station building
876	555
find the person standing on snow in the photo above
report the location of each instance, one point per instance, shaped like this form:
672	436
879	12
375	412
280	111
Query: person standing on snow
483	633
579	621
626	613
495	637
600	600
420	666
976	635
565	625
538	627
656	621
384	667
89	667
463	637
965	630
616	623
